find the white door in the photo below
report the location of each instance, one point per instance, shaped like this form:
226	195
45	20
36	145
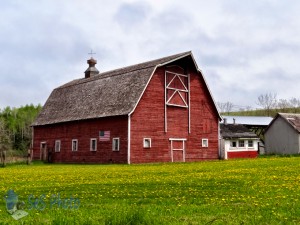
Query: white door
177	149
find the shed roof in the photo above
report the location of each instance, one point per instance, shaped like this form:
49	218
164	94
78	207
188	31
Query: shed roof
249	120
236	131
111	93
291	118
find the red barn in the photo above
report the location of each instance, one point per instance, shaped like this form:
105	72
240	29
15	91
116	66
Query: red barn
157	111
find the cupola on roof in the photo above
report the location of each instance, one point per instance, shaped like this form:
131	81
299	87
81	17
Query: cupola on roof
92	70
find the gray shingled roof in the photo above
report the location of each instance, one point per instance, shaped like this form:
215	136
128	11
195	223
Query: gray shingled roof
108	94
292	118
232	131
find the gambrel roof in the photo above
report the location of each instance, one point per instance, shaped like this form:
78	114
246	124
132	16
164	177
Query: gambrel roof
291	118
111	93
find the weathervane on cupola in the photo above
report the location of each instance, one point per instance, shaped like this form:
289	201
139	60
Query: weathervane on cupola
92	70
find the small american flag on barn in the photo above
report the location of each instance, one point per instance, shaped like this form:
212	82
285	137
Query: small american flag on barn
104	135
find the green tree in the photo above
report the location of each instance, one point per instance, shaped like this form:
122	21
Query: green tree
18	123
5	142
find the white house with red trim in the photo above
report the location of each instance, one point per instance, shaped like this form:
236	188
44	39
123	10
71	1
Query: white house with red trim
237	141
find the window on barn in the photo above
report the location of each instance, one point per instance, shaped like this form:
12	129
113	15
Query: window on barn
116	144
241	143
250	143
205	143
74	145
93	144
147	143
233	144
57	146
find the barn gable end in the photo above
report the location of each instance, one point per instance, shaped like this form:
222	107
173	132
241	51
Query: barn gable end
282	136
178	128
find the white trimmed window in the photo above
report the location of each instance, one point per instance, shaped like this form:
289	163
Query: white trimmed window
116	144
147	143
250	143
233	144
74	145
57	146
93	144
241	143
205	143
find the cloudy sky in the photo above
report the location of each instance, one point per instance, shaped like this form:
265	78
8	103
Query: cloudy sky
244	47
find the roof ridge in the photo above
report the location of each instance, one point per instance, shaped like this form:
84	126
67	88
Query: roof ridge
102	75
97	77
149	61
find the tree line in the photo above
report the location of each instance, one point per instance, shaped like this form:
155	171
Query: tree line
16	130
268	103
15	127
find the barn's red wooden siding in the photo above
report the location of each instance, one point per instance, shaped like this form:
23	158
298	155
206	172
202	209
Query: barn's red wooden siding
84	131
147	121
242	154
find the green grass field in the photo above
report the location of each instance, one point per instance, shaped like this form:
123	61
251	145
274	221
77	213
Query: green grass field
257	191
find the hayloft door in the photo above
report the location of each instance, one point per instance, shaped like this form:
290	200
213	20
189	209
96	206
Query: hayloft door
177	149
43	154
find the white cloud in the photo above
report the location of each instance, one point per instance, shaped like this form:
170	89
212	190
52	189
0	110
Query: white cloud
245	48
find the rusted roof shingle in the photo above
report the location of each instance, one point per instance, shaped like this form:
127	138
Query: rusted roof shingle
292	118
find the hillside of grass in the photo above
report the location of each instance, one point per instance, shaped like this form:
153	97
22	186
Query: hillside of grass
262	112
256	191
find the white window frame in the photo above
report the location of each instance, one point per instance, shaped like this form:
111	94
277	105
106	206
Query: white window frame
231	144
76	149
57	145
252	145
204	142
239	143
147	140
91	144
116	148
